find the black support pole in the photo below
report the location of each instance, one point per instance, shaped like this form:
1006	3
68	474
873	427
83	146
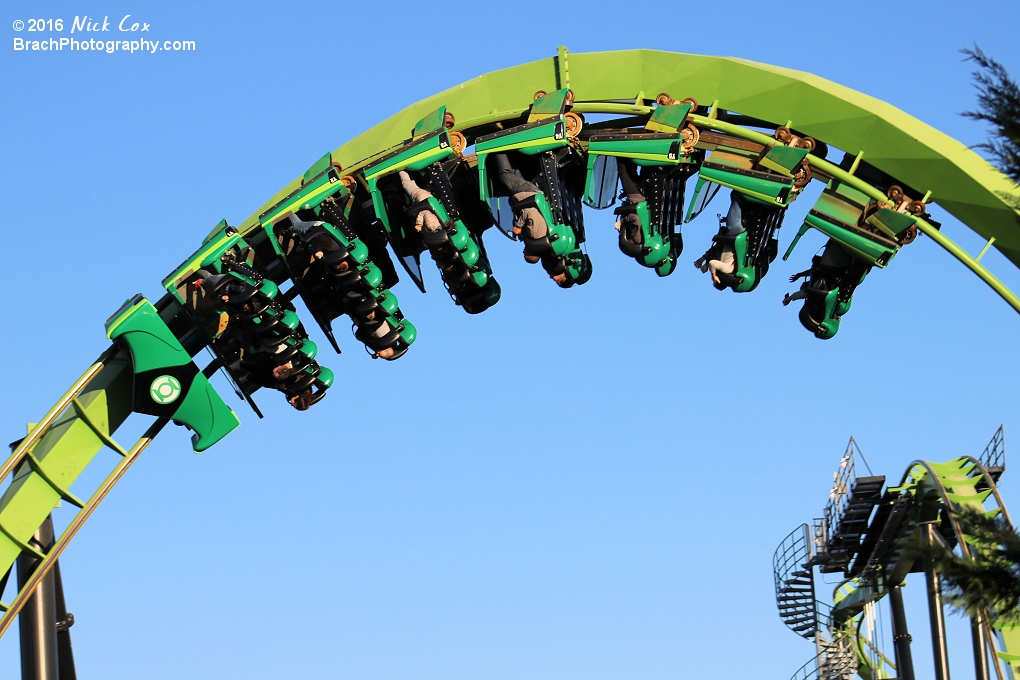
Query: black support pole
937	616
901	636
65	619
977	636
37	622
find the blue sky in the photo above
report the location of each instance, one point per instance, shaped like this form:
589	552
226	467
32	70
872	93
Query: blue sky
576	484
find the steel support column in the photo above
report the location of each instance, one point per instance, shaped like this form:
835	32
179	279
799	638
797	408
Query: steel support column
940	650
901	636
65	619
977	636
37	622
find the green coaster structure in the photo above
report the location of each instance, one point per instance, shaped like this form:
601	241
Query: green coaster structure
522	150
868	535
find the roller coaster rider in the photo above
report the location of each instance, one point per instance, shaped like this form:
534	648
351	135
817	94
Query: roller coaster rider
330	259
833	260
268	359
528	221
630	225
720	259
426	222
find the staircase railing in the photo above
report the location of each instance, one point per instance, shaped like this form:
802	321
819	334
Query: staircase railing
837	660
792	567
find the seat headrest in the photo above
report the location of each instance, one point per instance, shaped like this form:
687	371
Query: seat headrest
335	257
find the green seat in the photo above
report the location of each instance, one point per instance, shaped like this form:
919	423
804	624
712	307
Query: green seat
656	250
823	309
830	291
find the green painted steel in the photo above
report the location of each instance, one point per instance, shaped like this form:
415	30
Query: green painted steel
959	180
534	111
940	491
64	451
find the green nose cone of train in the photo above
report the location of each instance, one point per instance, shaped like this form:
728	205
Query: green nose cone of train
167	382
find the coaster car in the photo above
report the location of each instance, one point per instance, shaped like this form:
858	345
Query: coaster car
256	336
754	248
764	180
664	151
543	151
869	233
325	258
427	166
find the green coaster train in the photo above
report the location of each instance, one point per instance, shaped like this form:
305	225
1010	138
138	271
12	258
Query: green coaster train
527	168
522	150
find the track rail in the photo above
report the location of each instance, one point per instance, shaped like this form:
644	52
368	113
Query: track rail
738	99
937	491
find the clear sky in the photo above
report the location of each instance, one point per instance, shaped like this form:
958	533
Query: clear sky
576	484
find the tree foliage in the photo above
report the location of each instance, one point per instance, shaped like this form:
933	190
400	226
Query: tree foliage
998	105
990	579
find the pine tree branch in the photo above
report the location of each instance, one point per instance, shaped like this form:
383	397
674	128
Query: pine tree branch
987	581
998	105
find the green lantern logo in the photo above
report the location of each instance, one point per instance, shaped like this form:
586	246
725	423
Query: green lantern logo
165	389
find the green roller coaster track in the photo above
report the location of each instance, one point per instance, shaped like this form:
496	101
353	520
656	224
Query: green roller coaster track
877	552
762	131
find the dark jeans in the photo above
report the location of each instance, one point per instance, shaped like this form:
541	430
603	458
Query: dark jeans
628	178
512	178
